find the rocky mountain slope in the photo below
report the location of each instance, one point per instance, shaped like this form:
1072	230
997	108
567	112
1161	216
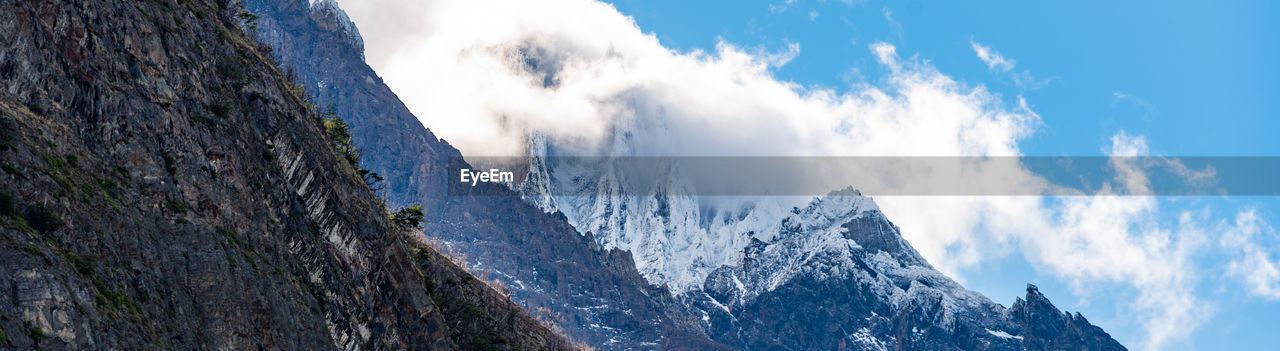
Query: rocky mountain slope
165	187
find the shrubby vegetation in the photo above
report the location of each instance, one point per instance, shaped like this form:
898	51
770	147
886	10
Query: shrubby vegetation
8	205
407	218
42	220
340	135
338	131
248	19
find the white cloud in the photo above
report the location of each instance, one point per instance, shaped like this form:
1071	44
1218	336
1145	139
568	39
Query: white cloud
475	85
485	74
778	59
998	63
1254	263
992	58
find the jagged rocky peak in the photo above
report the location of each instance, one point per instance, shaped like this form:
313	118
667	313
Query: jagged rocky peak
331	17
1051	329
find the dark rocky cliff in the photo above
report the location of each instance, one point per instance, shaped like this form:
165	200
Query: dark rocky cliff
165	187
1050	329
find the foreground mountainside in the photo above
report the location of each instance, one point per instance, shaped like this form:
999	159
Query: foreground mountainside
165	187
835	274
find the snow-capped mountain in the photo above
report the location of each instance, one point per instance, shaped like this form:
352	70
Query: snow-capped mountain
842	265
834	273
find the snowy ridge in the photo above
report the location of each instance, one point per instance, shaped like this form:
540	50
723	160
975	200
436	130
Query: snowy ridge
1003	334
804	236
661	230
822	241
671	239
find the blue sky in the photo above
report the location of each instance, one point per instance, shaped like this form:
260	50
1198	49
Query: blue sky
1188	68
1192	78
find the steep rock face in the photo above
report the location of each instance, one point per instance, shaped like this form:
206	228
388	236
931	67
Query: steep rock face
594	294
1050	329
165	187
313	44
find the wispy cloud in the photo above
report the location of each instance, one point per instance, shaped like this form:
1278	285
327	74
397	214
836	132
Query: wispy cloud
781	6
894	25
1000	64
1254	243
1147	109
993	59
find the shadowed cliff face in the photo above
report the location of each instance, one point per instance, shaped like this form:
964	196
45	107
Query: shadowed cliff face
165	186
